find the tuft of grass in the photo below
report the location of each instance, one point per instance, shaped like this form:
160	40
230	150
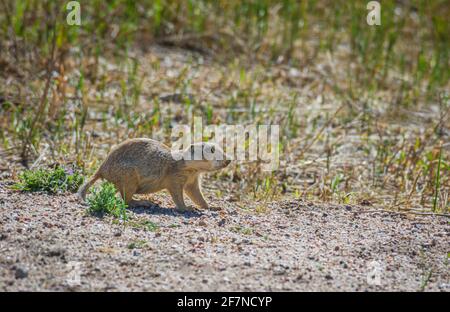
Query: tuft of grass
146	225
151	226
425	279
55	180
103	200
242	230
139	244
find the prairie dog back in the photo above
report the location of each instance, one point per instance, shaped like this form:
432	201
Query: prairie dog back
147	156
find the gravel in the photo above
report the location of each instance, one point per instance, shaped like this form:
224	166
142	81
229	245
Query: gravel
48	242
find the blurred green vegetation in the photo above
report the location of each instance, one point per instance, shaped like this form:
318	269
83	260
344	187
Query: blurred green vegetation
413	37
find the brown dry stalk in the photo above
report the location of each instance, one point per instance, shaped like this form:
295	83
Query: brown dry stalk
308	146
43	100
413	187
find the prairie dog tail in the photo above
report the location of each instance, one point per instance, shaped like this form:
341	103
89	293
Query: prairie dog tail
84	188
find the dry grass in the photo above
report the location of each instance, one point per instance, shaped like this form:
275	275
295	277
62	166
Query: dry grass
364	111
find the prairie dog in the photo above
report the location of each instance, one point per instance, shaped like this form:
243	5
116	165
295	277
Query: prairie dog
142	166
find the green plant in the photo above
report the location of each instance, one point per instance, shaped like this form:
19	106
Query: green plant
151	226
139	244
242	230
49	180
337	180
103	200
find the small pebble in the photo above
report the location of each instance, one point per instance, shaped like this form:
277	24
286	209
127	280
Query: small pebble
21	272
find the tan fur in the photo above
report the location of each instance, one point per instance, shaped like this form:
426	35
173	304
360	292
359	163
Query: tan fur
142	166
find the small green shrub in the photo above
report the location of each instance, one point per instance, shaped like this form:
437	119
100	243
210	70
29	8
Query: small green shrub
146	225
151	226
49	180
242	230
139	244
103	200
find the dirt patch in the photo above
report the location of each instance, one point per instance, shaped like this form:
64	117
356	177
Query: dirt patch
50	243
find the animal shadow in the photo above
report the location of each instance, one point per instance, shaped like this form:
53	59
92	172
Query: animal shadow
148	207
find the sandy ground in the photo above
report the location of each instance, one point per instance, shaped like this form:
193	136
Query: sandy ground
50	243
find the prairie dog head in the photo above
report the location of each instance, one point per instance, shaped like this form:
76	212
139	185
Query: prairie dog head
205	156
